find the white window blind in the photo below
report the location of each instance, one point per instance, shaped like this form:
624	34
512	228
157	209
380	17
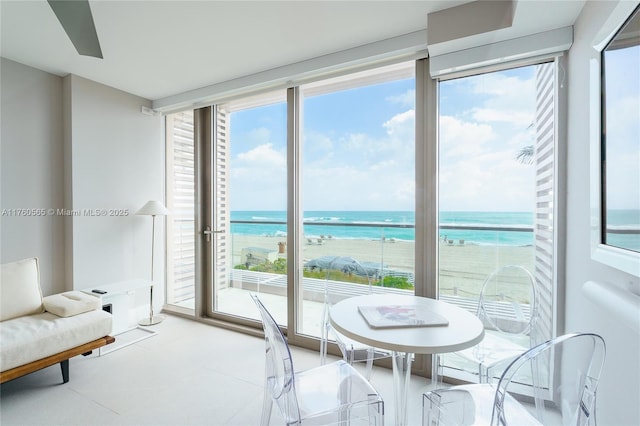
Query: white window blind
544	224
221	214
535	47
180	201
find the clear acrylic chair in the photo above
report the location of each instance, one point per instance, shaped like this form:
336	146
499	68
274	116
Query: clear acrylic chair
560	375
508	308
331	394
352	351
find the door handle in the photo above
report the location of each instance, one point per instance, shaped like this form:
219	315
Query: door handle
207	233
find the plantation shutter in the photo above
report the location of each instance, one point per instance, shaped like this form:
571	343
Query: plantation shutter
545	131
221	215
180	202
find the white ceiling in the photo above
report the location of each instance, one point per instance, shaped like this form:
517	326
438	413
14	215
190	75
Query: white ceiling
156	49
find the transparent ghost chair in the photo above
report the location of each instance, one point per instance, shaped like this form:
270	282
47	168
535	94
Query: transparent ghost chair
352	351
560	375
508	308
330	394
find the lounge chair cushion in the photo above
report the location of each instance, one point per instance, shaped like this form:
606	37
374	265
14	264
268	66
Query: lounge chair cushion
33	337
20	289
71	303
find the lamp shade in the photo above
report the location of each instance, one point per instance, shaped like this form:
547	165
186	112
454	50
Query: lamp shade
153	208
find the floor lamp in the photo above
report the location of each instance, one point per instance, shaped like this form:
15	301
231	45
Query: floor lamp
153	209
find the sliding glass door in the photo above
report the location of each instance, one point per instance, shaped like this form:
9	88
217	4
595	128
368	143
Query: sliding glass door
227	191
249	183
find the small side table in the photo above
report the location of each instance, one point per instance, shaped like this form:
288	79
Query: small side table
117	300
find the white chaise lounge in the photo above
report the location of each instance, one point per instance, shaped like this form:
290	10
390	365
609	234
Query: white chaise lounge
37	332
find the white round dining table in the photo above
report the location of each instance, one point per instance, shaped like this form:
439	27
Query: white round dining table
462	331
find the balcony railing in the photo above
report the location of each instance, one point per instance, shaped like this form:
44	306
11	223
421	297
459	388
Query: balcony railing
183	287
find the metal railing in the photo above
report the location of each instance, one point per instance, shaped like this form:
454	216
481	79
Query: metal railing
183	287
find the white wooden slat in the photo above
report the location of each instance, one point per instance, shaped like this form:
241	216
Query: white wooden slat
221	213
180	201
545	183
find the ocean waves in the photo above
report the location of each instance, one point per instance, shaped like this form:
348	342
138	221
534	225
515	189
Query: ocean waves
481	228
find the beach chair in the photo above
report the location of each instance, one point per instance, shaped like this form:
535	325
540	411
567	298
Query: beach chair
351	350
508	308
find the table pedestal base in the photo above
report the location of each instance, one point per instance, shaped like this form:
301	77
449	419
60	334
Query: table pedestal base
401	376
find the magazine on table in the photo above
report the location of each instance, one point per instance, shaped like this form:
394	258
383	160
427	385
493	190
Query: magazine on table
387	316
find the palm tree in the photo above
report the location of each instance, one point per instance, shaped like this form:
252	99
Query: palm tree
525	155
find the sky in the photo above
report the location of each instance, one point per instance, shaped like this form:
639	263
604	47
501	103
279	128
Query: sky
622	84
485	121
358	147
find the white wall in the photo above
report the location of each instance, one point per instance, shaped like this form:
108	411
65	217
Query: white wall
75	144
32	170
117	163
619	391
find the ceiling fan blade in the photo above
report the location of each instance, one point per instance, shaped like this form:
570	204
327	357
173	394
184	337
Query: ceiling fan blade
77	21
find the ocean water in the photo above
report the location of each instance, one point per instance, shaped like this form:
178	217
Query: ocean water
472	227
621	223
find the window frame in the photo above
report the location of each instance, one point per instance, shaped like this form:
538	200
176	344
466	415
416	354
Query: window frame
559	200
624	260
426	211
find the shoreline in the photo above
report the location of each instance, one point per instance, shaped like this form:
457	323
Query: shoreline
329	237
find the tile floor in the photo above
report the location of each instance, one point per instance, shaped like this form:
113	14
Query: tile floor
188	374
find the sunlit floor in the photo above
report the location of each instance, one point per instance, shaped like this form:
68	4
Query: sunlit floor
188	374
237	301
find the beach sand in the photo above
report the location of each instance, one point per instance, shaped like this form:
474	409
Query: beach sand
463	266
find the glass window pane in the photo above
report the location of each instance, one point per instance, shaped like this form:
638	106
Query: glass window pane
621	138
358	187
